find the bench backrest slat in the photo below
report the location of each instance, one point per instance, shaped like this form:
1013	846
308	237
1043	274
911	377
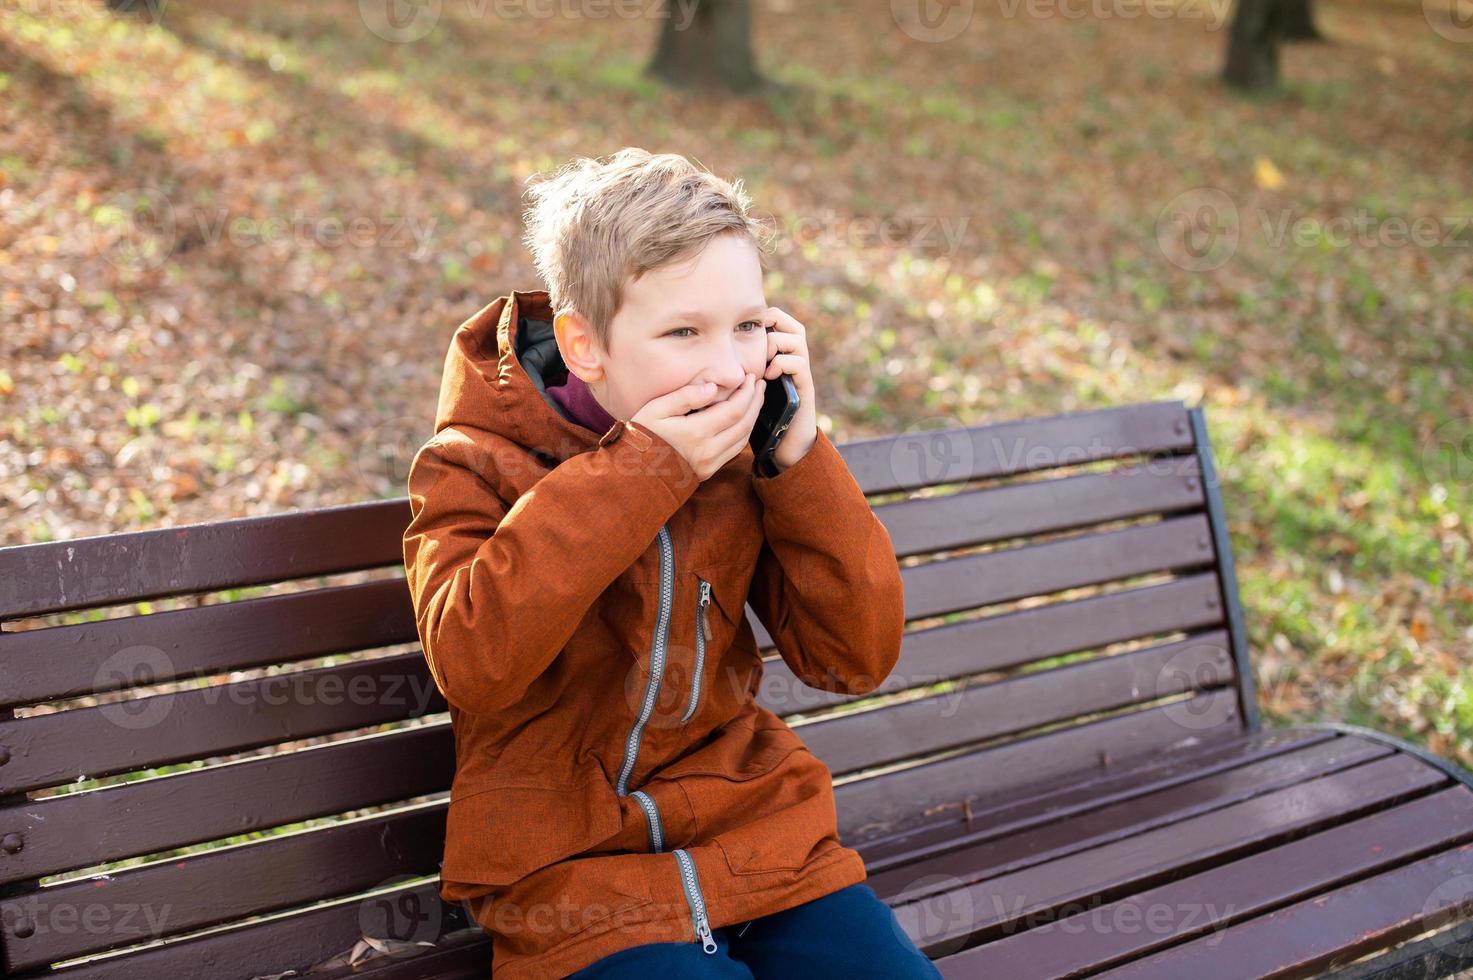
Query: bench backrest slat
74	660
1021	637
133	566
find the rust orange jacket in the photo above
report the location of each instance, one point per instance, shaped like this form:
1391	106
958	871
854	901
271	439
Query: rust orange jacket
580	602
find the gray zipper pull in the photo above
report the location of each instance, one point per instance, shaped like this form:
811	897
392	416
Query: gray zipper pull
707	943
705	601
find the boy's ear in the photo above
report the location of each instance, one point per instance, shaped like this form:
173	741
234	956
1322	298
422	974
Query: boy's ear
577	344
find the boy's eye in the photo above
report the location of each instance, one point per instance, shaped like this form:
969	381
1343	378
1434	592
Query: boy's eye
754	326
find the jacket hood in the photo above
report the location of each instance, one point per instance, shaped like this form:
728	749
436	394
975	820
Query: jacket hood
499	365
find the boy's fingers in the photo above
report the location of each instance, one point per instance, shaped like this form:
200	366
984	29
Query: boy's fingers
729	412
683	400
741	427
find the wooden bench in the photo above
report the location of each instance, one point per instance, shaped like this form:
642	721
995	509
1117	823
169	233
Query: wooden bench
256	777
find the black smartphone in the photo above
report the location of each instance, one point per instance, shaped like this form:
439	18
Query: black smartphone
779	405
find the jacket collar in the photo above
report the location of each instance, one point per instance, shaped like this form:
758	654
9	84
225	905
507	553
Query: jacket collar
497	370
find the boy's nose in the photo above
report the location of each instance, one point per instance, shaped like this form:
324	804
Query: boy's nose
727	382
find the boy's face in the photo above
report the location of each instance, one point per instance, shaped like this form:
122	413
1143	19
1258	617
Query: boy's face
694	321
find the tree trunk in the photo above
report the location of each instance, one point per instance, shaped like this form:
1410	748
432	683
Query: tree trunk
1299	21
1253	45
707	44
153	10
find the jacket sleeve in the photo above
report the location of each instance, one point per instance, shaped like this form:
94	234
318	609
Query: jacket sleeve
827	584
499	590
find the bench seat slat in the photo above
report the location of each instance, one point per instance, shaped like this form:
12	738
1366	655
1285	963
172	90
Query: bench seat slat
288	941
257	877
870	806
1206	903
1334	928
1060	799
1011	848
1112	870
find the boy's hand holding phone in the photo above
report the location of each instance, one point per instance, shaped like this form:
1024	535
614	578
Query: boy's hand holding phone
787	353
711	437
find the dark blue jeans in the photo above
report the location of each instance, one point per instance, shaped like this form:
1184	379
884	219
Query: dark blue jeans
850	933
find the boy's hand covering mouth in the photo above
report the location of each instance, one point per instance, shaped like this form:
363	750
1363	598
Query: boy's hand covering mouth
709	434
707	405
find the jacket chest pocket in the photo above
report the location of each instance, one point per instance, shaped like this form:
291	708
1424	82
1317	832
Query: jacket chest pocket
714	613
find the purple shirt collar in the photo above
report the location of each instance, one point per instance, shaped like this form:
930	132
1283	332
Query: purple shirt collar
577	400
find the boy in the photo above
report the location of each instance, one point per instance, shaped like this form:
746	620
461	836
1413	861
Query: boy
586	528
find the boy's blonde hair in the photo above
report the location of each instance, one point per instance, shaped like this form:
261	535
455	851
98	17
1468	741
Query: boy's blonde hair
595	223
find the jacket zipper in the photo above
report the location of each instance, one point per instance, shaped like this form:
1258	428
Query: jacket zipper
693	898
652	814
657	660
703	636
688	880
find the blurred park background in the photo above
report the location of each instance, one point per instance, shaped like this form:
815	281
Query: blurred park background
238	236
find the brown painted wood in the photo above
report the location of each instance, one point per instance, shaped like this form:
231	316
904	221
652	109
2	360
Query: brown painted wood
999	888
78	830
108	569
1002	641
941	721
293	942
1204	904
869	806
218	886
62	747
1328	930
955	584
1006	848
1061	799
1017	510
930	457
70	661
